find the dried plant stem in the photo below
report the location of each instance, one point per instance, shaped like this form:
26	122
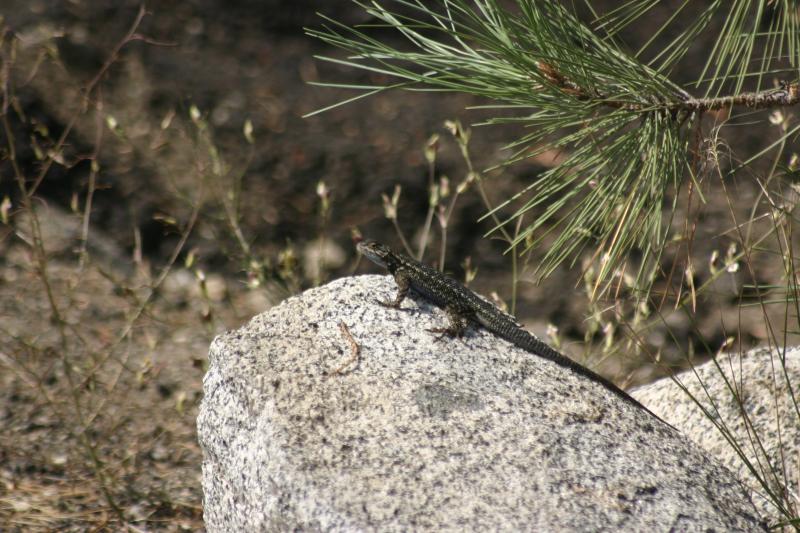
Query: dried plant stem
40	255
87	92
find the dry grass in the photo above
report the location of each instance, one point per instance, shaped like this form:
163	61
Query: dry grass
115	442
101	352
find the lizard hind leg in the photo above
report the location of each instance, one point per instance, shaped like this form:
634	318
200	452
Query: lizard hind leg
458	324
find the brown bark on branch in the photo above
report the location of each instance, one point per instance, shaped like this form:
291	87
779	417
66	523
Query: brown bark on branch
786	94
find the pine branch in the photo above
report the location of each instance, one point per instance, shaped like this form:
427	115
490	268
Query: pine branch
629	132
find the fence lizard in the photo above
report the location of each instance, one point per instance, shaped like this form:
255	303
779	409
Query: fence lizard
464	307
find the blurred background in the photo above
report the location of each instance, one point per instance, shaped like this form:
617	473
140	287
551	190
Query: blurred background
185	193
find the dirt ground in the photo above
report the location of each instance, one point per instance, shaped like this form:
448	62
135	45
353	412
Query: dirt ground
105	326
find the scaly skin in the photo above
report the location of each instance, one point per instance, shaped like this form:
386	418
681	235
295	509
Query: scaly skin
464	307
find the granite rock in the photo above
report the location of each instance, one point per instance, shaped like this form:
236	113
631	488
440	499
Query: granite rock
416	433
749	397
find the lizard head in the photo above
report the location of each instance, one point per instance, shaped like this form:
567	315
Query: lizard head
376	252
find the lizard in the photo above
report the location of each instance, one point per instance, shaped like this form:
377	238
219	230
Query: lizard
465	308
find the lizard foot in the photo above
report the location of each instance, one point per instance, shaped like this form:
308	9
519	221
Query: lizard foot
391	305
446	332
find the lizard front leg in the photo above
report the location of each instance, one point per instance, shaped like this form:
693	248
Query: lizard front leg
403	286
